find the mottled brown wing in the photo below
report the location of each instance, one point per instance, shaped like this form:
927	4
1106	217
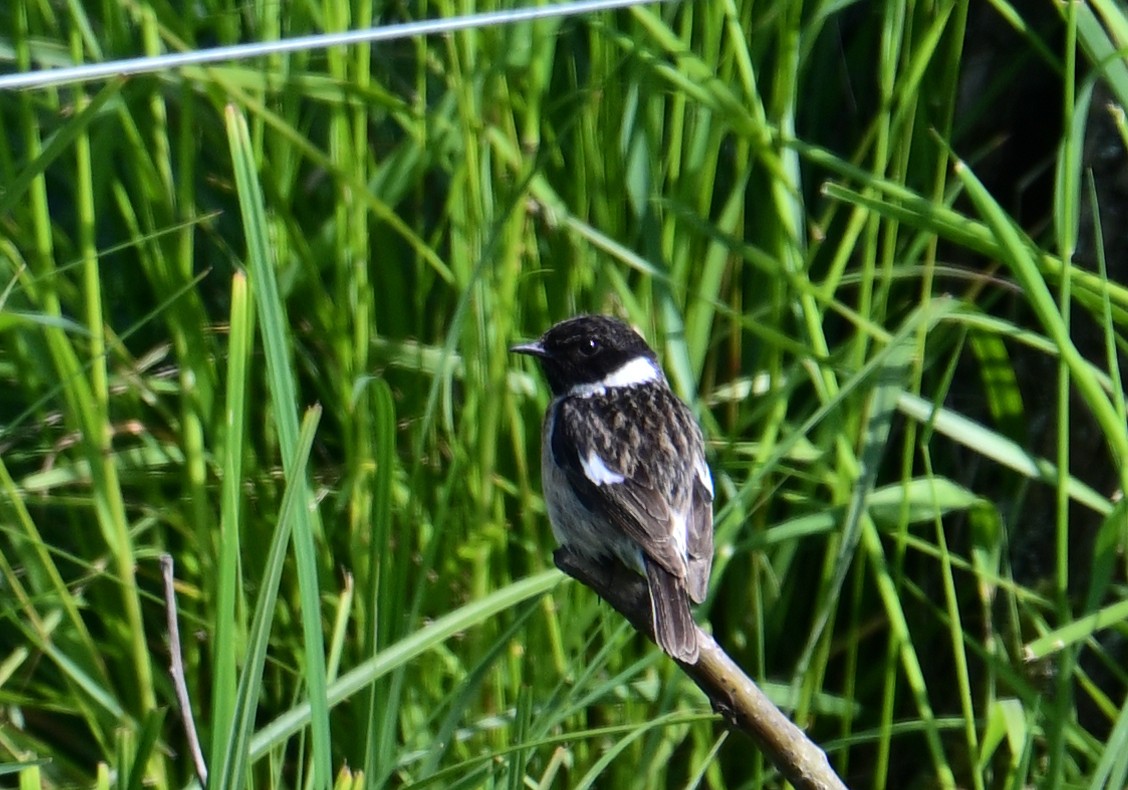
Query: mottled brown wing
638	503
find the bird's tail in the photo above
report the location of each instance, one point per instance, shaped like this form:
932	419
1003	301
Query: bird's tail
674	629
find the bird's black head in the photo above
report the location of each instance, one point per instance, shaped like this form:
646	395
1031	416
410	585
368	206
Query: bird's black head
590	352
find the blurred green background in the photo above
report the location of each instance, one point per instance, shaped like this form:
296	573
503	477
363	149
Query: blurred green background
256	316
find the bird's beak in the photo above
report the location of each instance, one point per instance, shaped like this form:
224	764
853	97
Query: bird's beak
533	349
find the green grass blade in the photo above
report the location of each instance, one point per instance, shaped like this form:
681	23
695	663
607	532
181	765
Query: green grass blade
230	631
405	650
229	768
274	328
1017	255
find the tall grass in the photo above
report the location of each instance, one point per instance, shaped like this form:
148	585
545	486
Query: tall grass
910	383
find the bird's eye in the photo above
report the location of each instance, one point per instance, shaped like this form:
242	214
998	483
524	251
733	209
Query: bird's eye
589	346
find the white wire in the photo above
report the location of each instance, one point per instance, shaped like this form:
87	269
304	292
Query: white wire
145	65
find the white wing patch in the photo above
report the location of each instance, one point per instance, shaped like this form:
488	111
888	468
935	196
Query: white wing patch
679	533
703	474
598	472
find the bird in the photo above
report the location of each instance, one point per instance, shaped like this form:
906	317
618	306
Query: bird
623	468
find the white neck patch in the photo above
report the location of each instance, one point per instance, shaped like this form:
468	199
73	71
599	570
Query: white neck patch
639	370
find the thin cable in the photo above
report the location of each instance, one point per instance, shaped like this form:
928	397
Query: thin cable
146	65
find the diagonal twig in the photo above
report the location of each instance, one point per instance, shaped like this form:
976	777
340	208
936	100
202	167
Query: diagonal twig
732	692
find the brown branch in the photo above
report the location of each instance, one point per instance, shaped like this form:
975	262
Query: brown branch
732	693
176	669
